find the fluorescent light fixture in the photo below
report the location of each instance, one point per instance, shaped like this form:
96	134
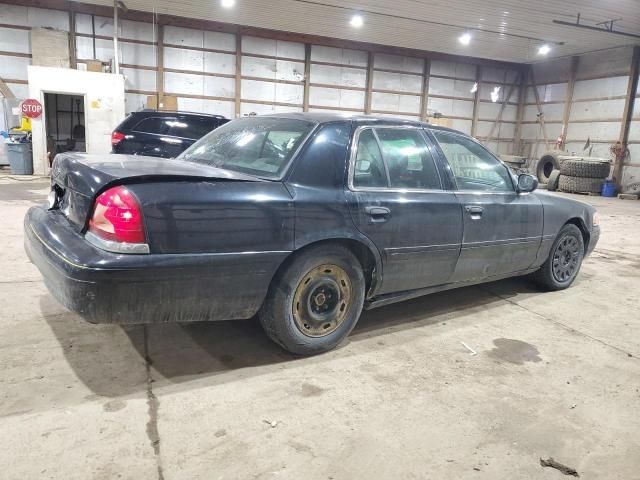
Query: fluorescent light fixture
495	94
465	38
544	49
357	21
474	89
228	3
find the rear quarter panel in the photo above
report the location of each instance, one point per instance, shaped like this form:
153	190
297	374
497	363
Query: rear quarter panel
217	216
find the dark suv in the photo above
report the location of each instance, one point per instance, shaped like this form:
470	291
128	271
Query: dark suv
162	134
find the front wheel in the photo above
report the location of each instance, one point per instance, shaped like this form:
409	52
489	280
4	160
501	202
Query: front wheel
564	261
315	301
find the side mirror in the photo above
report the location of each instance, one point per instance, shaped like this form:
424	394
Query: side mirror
527	183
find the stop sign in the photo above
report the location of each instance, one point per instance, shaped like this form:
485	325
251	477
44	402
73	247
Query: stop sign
31	108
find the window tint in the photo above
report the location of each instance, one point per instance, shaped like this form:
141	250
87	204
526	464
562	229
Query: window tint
191	127
157	125
473	167
369	169
408	159
256	145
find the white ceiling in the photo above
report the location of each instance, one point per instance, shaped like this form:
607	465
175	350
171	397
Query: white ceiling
429	24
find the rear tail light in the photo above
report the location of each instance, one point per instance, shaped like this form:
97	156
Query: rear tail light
116	137
117	223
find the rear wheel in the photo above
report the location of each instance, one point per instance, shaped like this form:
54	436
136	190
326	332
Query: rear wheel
564	261
315	302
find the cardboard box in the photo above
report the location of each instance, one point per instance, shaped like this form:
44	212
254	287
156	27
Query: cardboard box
440	122
162	102
94	66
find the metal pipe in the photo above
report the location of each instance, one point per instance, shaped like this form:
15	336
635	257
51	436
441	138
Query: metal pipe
116	63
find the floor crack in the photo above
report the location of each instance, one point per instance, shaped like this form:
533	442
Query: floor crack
560	324
152	407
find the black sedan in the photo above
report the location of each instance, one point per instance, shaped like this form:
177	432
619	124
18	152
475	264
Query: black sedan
302	219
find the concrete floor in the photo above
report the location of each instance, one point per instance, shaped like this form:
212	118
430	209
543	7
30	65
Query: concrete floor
556	375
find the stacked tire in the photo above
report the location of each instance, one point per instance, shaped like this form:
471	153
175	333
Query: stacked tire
583	176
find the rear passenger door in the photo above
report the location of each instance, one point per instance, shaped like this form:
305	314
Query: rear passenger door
398	201
502	228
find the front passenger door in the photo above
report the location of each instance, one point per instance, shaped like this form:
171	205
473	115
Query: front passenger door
502	228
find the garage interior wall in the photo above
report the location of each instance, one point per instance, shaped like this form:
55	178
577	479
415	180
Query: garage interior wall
216	72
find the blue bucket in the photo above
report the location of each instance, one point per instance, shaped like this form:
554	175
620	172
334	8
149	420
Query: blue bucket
608	189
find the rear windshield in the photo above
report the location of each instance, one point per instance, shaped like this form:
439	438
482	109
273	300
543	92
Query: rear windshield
260	146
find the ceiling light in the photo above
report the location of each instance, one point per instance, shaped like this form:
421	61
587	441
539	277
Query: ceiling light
228	3
544	49
465	38
357	21
474	89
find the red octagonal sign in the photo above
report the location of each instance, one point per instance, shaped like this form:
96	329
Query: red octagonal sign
31	108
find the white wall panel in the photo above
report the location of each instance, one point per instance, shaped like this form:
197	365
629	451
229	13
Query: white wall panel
397	81
597	149
553	92
451	107
598	110
341	56
219	86
595	130
457	70
183	59
137	30
491	110
502	130
341	76
177	83
216	107
14	68
344	113
12	40
600	87
278	48
606	62
272	69
493	74
184	36
137	54
134	102
334	97
552	112
136	79
395	103
39	17
461	125
220	41
503	93
219	63
20	90
84	49
396	62
272	92
397	115
455	88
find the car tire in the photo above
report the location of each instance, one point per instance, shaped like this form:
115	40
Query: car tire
565	259
580	184
547	164
585	169
315	300
552	185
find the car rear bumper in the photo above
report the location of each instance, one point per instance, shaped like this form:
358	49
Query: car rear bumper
104	287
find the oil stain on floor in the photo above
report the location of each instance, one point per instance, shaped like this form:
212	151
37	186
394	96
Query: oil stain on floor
514	351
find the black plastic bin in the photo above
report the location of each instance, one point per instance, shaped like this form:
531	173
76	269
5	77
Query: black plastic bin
20	158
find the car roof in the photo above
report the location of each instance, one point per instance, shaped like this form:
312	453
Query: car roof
149	112
357	119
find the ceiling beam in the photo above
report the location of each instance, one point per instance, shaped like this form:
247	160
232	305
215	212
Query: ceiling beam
142	16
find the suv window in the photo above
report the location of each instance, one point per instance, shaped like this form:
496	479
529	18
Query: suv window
408	159
369	169
473	166
155	125
191	127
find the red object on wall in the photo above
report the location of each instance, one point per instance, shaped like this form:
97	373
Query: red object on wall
31	108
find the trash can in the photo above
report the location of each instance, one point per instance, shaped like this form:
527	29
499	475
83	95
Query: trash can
20	158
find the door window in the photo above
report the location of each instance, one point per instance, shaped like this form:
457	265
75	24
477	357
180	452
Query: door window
473	166
408	159
155	125
193	127
369	170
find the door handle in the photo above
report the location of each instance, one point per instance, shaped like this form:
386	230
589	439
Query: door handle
474	210
377	214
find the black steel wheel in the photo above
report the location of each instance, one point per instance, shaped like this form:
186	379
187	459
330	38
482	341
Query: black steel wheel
564	261
315	300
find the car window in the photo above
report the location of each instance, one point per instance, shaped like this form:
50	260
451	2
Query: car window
473	167
369	168
260	146
408	159
191	127
155	125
